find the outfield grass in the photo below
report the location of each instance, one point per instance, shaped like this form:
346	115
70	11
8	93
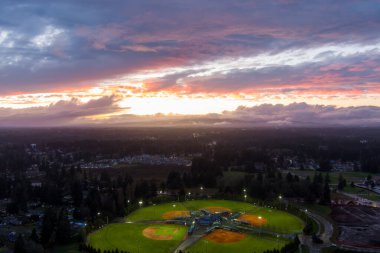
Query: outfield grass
129	237
249	244
277	221
155	212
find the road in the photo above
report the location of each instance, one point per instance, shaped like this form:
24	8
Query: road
325	235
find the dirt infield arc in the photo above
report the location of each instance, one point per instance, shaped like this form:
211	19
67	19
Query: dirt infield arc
256	221
224	236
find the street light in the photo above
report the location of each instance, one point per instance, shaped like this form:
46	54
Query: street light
280	197
140	203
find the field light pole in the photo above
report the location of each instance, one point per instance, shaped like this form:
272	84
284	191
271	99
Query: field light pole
307	216
261	225
245	196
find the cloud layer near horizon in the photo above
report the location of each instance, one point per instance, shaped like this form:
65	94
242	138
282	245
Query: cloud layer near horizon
74	113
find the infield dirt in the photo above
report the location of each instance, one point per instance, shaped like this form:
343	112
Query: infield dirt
253	220
224	236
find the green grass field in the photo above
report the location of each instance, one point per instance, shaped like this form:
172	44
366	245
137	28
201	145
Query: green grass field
249	244
362	193
129	237
355	176
277	221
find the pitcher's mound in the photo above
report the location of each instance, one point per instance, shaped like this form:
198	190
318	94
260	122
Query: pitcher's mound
175	214
253	220
224	236
155	233
217	209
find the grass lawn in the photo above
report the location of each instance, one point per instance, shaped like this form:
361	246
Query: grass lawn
249	244
362	193
232	177
5	250
129	237
355	176
318	209
277	221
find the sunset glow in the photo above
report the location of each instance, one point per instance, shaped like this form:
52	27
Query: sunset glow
142	63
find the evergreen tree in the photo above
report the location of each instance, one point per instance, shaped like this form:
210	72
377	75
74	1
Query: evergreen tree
20	245
34	237
63	228
326	198
48	224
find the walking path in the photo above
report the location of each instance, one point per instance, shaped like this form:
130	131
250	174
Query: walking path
325	236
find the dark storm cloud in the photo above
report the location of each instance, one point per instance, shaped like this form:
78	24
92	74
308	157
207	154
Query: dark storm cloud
47	45
60	113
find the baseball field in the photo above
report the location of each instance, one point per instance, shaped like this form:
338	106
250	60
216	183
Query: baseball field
223	241
271	219
161	238
142	233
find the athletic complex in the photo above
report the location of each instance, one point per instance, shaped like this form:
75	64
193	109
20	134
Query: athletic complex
214	226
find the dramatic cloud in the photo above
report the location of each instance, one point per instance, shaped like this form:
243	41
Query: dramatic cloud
61	113
70	43
196	56
73	113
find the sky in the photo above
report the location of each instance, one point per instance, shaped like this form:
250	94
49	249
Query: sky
174	62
